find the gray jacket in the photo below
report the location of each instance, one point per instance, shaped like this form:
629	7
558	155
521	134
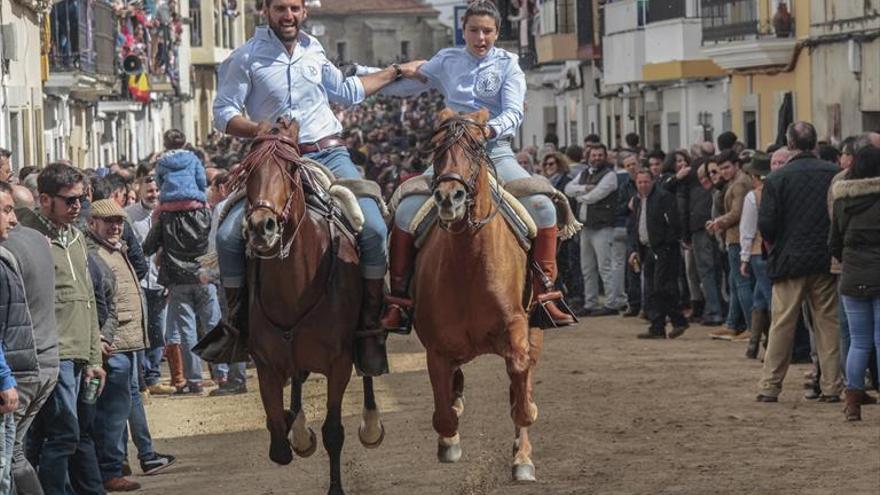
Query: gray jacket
36	266
16	329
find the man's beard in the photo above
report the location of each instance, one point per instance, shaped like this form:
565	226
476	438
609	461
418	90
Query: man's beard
279	33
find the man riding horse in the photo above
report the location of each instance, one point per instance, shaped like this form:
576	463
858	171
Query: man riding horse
282	72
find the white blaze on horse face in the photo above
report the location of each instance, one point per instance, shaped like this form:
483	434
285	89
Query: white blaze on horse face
451	199
264	230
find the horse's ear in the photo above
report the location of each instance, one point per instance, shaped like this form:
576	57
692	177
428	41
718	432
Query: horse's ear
446	114
481	116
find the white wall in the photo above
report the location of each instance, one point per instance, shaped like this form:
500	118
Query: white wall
689	100
621	16
673	39
533	128
624	56
21	87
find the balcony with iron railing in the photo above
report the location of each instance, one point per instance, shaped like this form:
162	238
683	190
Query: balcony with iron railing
83	37
729	20
736	37
217	27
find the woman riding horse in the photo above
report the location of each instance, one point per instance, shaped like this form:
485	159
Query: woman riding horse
478	76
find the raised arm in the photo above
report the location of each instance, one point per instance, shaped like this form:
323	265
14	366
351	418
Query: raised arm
374	82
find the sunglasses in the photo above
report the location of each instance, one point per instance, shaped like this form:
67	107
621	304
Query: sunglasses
713	172
148	179
72	200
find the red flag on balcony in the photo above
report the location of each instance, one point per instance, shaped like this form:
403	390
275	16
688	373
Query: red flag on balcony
139	87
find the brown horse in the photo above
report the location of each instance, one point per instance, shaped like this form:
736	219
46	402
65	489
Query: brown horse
469	289
305	293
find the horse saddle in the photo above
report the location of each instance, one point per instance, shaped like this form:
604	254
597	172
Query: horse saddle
328	195
510	207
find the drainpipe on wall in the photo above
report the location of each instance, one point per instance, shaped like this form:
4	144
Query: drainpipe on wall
4	96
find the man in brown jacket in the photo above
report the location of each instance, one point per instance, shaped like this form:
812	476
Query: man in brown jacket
123	334
741	287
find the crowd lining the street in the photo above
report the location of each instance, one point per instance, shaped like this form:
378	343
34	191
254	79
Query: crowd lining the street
779	248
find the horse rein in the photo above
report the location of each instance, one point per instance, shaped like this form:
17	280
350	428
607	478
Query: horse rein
284	215
456	129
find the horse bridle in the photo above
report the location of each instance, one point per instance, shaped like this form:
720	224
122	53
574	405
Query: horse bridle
291	174
456	129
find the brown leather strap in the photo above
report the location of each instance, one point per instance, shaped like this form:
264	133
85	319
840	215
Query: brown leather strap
549	296
322	144
399	301
368	332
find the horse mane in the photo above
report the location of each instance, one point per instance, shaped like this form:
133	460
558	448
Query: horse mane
267	147
456	129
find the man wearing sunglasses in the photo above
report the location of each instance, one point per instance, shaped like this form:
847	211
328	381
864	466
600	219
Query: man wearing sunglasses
61	191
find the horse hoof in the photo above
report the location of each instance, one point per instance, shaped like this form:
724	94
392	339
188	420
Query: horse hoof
458	406
335	490
375	443
281	455
448	454
313	445
524	472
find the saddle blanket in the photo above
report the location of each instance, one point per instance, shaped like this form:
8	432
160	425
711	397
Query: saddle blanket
506	196
327	189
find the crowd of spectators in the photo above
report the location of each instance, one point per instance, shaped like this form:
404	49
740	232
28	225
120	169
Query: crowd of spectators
776	249
737	239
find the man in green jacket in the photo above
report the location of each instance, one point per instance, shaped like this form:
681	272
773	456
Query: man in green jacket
61	191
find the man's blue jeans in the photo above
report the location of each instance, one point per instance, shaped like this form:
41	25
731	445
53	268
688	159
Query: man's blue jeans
156	309
137	424
189	305
114	407
763	293
85	476
705	251
58	429
371	241
864	330
233	374
741	289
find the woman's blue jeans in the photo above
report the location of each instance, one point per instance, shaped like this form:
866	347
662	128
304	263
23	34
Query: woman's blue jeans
864	331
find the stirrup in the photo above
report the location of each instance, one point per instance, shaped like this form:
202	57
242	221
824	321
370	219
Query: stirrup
403	306
540	315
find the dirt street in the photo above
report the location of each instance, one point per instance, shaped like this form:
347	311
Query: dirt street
617	416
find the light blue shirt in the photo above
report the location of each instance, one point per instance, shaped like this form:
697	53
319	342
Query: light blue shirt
261	79
468	83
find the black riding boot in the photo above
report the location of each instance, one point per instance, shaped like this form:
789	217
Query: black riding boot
237	308
370	356
228	341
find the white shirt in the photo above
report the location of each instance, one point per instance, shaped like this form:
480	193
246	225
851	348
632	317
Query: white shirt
586	194
263	79
748	226
141	223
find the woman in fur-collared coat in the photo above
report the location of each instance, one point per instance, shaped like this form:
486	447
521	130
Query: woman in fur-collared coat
855	240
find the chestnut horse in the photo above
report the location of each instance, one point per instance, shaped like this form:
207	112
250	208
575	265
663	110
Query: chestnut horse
305	293
469	289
